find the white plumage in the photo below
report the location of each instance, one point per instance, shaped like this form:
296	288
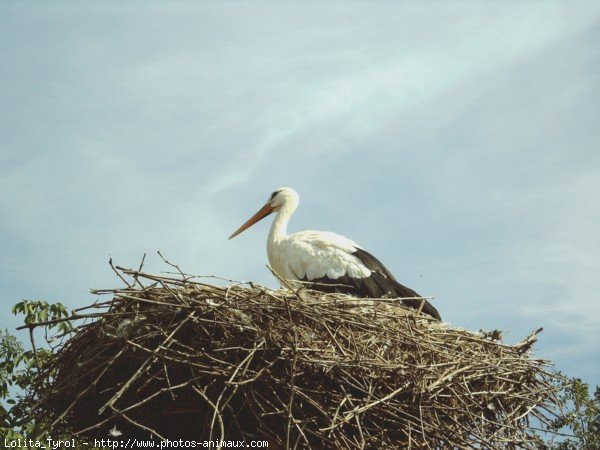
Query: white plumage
315	254
331	261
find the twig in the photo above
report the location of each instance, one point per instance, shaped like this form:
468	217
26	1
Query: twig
110	262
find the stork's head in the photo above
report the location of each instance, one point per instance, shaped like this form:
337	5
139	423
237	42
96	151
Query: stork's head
281	198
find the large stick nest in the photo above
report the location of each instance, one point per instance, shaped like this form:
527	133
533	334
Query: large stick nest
172	357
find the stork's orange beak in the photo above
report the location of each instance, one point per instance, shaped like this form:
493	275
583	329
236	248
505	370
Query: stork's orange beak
261	214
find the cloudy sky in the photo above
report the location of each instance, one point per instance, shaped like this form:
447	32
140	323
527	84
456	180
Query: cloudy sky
457	141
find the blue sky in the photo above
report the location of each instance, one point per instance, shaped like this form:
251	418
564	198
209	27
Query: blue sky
457	141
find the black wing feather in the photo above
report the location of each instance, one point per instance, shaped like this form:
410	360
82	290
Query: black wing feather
381	283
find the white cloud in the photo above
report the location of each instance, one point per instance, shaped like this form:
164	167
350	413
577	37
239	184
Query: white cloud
410	73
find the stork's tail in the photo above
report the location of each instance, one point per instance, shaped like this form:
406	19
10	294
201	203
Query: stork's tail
427	308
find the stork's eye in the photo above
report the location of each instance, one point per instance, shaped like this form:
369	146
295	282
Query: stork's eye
273	195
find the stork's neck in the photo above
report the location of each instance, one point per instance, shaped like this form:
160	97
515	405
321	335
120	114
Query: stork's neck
279	225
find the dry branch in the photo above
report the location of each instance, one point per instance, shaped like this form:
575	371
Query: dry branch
181	358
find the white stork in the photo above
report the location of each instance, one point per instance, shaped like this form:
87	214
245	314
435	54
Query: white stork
326	258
